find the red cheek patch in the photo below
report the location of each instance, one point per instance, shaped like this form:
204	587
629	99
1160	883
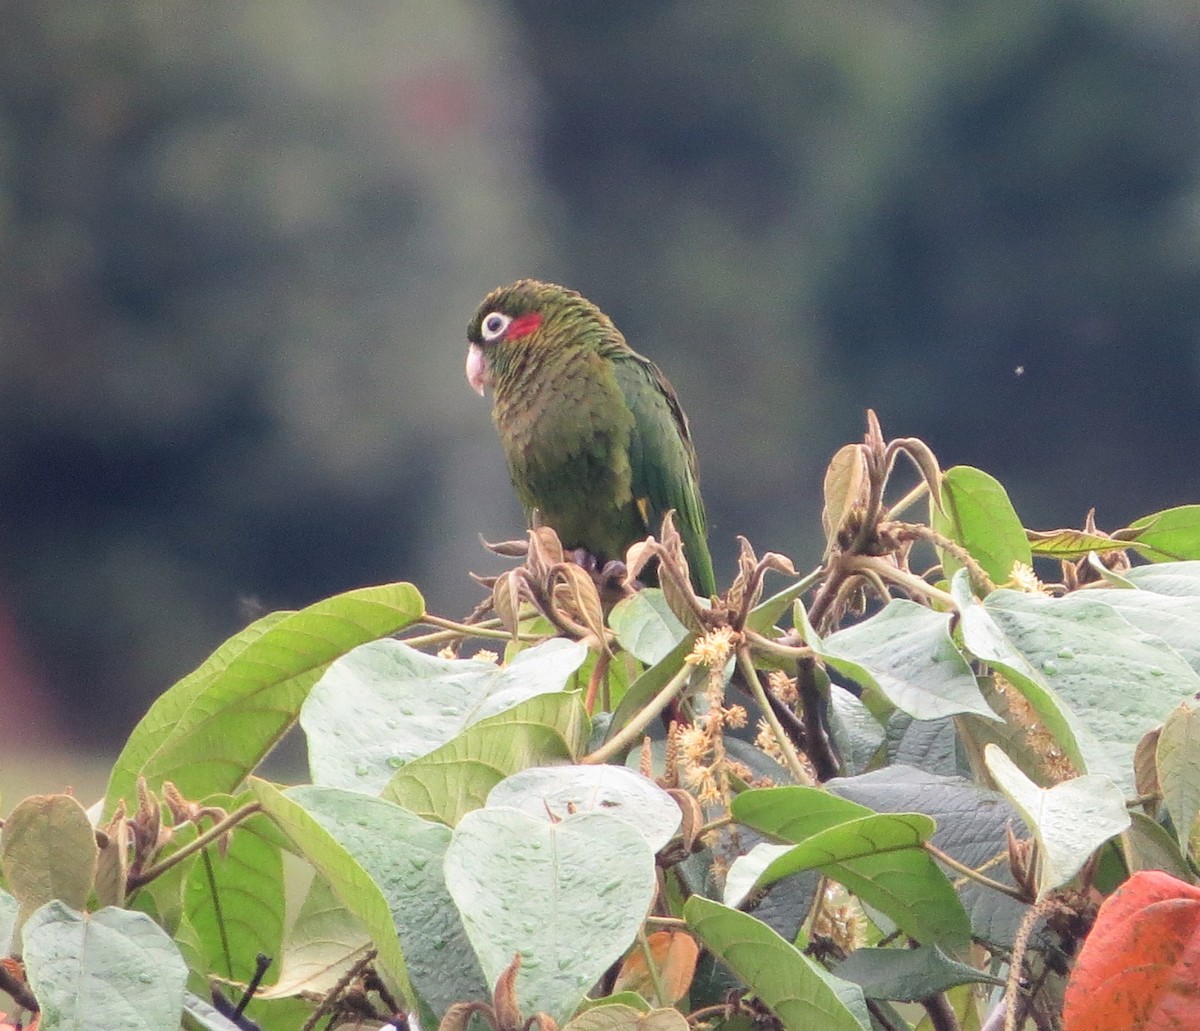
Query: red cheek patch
523	326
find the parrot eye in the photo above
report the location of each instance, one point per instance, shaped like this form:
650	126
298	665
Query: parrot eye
494	325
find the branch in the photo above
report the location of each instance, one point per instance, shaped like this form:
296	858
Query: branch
795	767
202	842
628	735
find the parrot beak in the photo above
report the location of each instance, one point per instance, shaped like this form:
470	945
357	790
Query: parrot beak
477	373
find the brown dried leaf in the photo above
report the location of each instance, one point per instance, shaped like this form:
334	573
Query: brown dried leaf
585	599
458	1016
672	544
677	590
693	816
506	600
112	866
874	436
147	822
504	999
779	563
638	556
1145	764
925	461
545	552
747	563
509	549
845	487
674	954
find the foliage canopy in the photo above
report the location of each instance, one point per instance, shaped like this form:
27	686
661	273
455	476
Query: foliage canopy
919	787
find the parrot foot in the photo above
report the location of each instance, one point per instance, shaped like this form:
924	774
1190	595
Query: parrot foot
609	578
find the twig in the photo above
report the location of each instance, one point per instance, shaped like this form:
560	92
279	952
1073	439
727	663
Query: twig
941	1015
973	874
795	767
205	839
628	734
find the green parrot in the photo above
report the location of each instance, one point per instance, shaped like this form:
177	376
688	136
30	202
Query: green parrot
597	444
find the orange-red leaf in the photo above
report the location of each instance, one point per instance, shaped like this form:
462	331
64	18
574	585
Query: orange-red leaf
1139	966
675	954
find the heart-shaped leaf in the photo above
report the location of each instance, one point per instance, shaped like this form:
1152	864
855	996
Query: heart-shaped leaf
568	897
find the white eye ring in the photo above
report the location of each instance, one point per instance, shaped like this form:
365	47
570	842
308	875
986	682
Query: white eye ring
493	326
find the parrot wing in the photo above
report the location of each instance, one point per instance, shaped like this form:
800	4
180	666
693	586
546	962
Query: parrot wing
662	461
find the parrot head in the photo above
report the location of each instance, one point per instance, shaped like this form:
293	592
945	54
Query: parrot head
528	314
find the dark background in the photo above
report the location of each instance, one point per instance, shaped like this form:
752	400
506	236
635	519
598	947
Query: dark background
240	241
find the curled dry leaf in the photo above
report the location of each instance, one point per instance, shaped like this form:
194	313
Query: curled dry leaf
638	557
779	563
458	1016
747	563
509	549
925	461
504	999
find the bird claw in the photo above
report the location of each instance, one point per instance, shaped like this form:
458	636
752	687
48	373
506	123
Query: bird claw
609	578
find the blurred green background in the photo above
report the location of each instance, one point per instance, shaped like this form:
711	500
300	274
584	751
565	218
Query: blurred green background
240	241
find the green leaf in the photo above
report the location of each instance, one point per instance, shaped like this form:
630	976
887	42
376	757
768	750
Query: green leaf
1117	680
556	792
610	1016
1070	820
979	516
348	880
322	943
906	653
403	855
568	896
162	898
648	685
803	995
457	777
109	969
9	908
855	732
385	703
794	813
1180	579
879	858
972	824
766	613
213	727
907	975
1176	620
234	900
1177	759
200	1015
891	881
48	851
984	639
1173	534
645	626
1148	845
1068	545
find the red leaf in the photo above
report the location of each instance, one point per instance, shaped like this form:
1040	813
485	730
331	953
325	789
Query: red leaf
1140	965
